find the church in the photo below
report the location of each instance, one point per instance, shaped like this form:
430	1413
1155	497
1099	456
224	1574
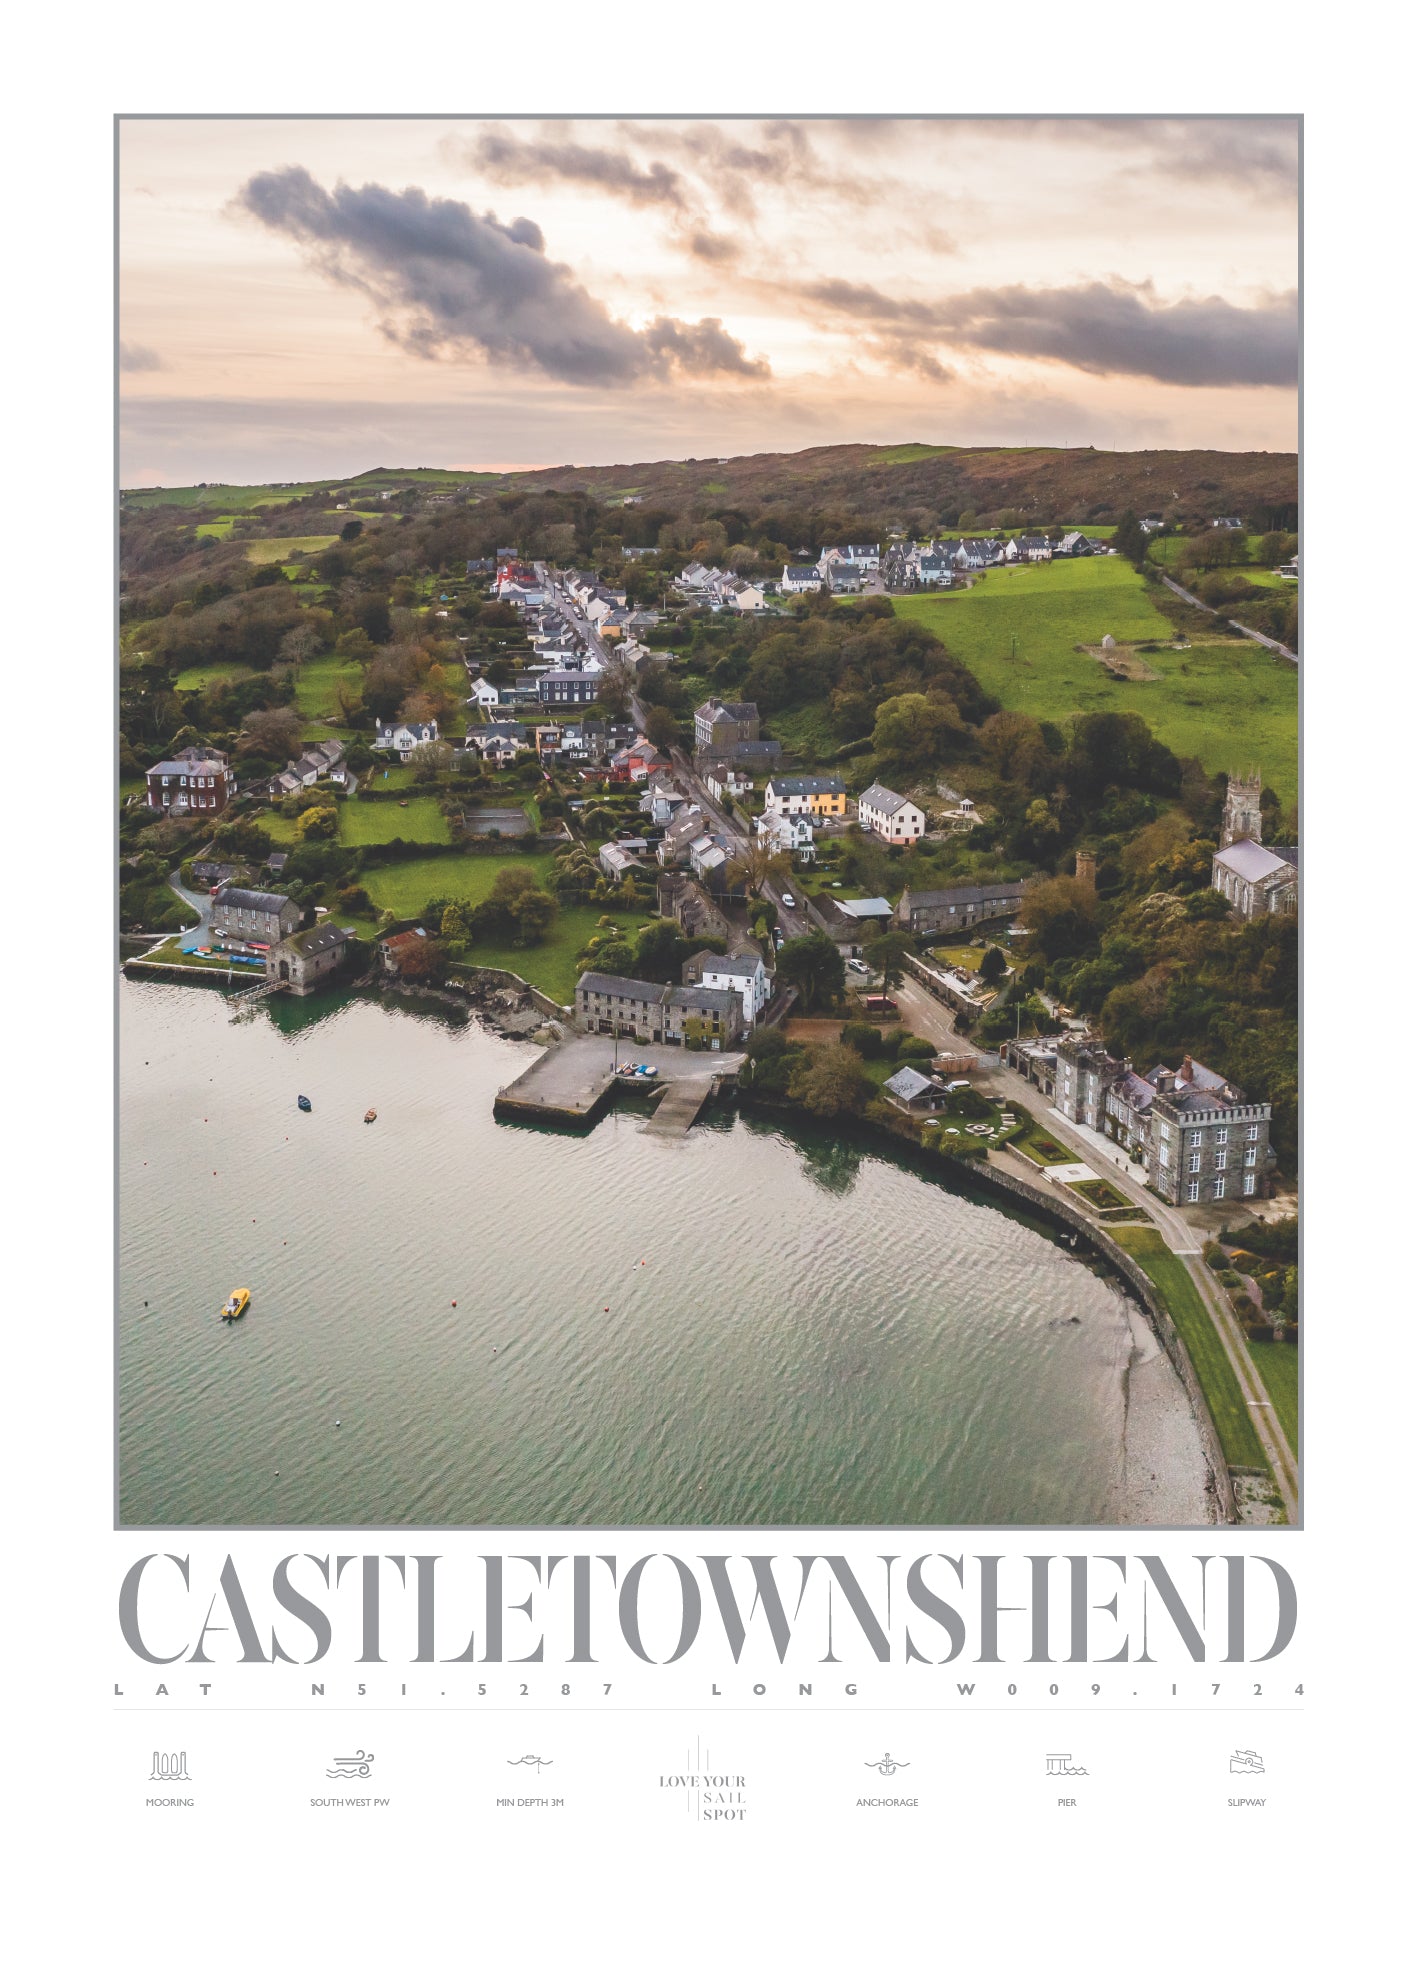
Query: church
1254	879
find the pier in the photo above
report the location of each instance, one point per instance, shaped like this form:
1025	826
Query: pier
573	1080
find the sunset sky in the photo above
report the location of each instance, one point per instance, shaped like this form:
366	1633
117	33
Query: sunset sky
302	298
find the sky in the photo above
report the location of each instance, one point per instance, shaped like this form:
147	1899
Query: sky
302	298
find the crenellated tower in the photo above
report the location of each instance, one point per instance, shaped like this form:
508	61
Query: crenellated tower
1242	820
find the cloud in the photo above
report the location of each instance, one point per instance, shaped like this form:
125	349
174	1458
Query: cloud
138	358
1260	154
450	282
1109	327
513	161
1116	327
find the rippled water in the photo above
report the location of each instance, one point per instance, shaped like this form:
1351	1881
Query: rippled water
745	1326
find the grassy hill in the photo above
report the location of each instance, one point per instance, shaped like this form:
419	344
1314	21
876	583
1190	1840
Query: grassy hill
1020	630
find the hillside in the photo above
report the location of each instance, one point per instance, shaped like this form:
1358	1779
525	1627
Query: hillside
889	483
1080	484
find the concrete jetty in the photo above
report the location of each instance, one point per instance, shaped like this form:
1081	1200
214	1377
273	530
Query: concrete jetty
572	1081
680	1104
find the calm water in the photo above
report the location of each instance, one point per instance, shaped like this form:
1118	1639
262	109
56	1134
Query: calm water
742	1327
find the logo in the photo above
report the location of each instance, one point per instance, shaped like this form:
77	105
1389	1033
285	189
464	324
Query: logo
1060	1764
356	1766
1247	1763
888	1766
542	1763
169	1767
713	1797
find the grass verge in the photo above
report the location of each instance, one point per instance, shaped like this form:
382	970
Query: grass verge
1171	1278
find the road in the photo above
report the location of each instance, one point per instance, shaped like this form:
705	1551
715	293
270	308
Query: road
926	1016
1275	647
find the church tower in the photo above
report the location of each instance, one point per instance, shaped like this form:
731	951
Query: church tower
1242	811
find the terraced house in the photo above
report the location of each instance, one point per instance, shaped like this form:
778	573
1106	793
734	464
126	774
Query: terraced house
822	798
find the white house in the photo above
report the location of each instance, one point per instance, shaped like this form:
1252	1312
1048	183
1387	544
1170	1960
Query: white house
745	974
404	738
819	797
616	860
662	799
786	833
744	598
800	578
867	556
890	816
484	694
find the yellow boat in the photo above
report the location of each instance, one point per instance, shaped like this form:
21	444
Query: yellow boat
235	1305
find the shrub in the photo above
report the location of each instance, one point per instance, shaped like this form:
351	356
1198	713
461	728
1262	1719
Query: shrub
1214	1255
916	1049
865	1039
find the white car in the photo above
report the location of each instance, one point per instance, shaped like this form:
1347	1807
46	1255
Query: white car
788	902
857	964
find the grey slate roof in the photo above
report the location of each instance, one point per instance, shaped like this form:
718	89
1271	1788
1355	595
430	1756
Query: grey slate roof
800	787
621	988
881	796
260	899
324	937
1251	861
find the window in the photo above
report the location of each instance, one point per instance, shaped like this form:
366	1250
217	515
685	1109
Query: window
1252	1135
1220	1188
1195	1164
1222	1135
1193	1192
1221	1160
1249	1182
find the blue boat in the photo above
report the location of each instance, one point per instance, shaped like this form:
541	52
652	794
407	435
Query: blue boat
303	1100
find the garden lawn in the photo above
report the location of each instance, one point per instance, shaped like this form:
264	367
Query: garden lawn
551	966
405	886
371	825
1169	1274
1036	1143
1018	630
1278	1366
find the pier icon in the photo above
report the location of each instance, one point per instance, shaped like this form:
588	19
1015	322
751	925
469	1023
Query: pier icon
1060	1764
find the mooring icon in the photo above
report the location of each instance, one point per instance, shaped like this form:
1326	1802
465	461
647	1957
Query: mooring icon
169	1767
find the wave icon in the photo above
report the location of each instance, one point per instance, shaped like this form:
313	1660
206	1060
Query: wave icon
355	1766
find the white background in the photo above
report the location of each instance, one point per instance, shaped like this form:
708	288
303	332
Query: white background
1150	1871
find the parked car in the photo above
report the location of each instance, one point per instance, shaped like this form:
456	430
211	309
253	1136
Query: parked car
788	902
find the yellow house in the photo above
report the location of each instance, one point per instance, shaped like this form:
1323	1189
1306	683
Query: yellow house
822	798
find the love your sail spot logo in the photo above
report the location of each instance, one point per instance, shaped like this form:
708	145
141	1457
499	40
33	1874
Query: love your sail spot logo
711	1795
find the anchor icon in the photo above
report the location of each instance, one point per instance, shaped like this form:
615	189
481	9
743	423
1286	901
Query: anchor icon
888	1766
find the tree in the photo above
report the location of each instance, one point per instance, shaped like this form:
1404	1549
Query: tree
299	645
274	734
756	866
814	965
318	823
887	954
830	1081
535	912
453	928
915	731
420	958
661	728
993	966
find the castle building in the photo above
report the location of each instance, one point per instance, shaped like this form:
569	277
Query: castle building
1254	879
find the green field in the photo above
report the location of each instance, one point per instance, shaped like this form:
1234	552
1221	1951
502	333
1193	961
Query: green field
371	826
1278	1366
1238	1438
201	676
1018	631
221	528
319	680
908	451
275	550
1167	550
